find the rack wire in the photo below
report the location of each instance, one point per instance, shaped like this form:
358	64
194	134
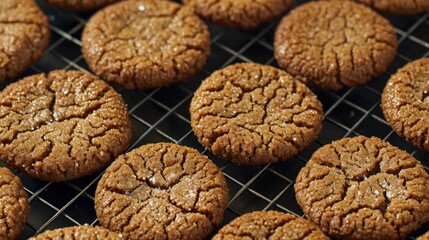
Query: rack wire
162	114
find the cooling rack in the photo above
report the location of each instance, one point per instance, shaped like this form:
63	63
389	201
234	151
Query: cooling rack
162	114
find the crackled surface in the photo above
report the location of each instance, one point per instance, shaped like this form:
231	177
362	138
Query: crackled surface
14	208
145	44
84	232
405	102
270	225
252	114
364	188
162	191
242	14
62	125
24	35
400	7
334	44
80	5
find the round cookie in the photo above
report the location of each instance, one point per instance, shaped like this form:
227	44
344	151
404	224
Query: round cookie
162	191
78	233
364	188
24	36
244	14
62	125
270	225
424	236
145	44
14	208
334	44
80	5
405	102
249	113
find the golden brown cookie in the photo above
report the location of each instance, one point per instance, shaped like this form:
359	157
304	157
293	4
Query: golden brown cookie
243	14
405	102
249	113
62	125
162	191
334	44
14	208
24	36
364	188
85	232
270	225
80	5
145	44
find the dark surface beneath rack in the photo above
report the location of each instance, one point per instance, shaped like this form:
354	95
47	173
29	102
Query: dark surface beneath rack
162	115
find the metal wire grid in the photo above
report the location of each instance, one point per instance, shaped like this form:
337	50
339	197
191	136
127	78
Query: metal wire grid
162	115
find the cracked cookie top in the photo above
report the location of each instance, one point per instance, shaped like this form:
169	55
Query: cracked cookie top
249	113
271	225
162	191
334	44
241	14
14	208
80	5
145	44
84	232
405	102
364	188
24	36
62	125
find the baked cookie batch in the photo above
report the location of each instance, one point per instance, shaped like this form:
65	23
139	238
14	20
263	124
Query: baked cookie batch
63	125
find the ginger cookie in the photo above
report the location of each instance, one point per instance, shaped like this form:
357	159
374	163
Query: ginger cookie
364	188
78	233
145	44
80	5
270	225
62	125
405	102
334	44
162	191
14	208
249	113
24	36
244	14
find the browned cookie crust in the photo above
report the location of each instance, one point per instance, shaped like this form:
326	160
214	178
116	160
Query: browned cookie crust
242	14
270	225
162	191
62	126
78	233
253	114
14	208
144	44
80	5
24	36
424	237
400	7
334	44
405	102
364	188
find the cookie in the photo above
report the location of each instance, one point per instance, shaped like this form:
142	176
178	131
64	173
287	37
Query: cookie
162	191
62	125
244	14
364	188
270	225
145	44
14	208
24	36
424	237
334	44
78	233
80	5
249	113
405	102
400	7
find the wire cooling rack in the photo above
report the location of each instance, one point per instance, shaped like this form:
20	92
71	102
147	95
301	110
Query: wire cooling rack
162	115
